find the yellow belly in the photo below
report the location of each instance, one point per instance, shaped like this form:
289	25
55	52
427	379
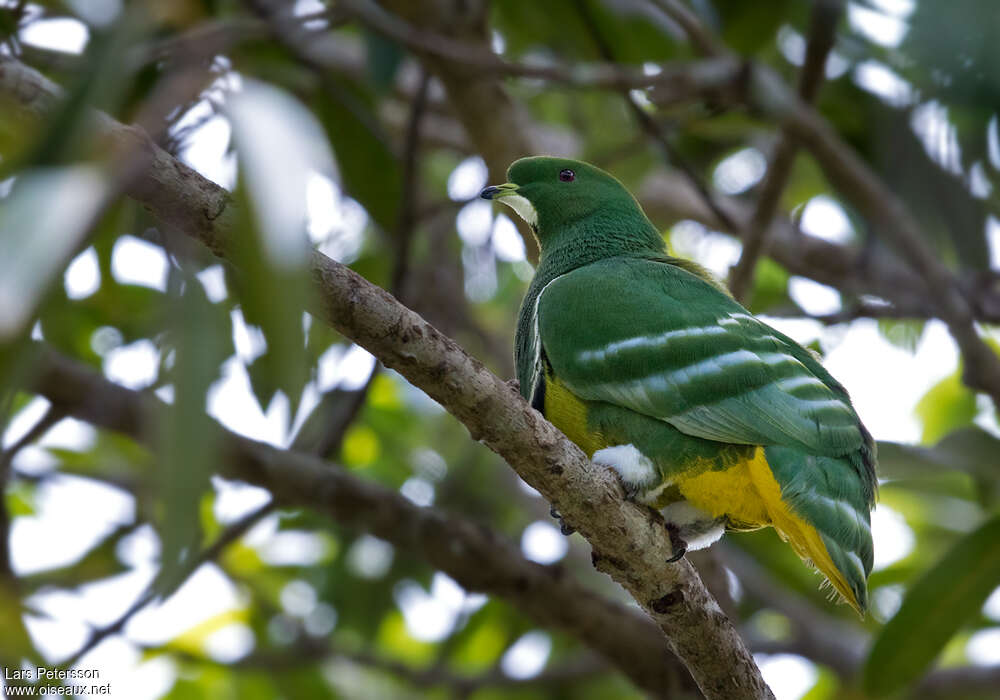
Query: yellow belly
566	411
746	493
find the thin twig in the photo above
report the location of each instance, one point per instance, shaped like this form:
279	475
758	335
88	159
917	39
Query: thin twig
652	129
407	220
51	416
232	533
822	29
703	40
333	415
606	76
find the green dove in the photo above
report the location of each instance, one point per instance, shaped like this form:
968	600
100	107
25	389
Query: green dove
653	369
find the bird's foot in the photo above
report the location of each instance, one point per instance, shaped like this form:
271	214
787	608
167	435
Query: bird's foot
563	527
677	544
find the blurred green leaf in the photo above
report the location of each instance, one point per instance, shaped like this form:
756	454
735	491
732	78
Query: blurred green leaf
304	683
934	609
395	639
20	498
970	450
193	640
384	59
39	239
827	686
256	685
66	135
360	446
904	334
555	26
188	442
770	287
100	562
14	642
280	146
369	170
954	62
746	29
947	405
480	644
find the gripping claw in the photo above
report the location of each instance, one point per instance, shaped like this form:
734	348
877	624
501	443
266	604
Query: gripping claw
677	544
563	527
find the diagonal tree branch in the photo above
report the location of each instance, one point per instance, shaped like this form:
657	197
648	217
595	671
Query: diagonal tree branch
629	542
476	557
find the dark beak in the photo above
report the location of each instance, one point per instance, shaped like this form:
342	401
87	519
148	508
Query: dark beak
489	192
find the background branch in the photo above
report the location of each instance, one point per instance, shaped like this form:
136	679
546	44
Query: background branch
822	30
651	128
51	416
456	80
470	553
889	217
150	594
629	542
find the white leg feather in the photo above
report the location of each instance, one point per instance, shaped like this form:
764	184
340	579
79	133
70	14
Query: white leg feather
637	472
695	526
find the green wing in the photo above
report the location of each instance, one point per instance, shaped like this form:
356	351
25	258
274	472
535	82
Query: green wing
654	338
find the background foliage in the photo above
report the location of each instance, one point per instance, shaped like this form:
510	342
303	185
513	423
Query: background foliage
388	145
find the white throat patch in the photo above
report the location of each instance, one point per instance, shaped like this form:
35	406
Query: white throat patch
523	208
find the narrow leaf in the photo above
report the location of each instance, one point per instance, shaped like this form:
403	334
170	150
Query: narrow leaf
189	450
971	450
369	171
42	223
280	145
945	598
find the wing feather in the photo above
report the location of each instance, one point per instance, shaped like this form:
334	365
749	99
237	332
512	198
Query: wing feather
652	337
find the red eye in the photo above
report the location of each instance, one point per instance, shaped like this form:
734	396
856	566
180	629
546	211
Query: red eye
567	175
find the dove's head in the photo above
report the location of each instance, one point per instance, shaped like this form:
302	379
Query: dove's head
560	198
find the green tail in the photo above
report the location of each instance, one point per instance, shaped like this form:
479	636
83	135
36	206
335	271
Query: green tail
835	496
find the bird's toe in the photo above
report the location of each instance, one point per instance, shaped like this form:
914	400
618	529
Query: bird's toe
677	544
